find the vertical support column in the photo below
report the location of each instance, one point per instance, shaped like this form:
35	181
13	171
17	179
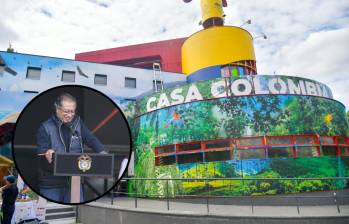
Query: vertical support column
265	145
231	149
295	153
202	146
335	140
75	189
318	143
176	153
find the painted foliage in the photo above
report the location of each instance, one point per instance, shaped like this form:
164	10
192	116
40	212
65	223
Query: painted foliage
234	117
241	116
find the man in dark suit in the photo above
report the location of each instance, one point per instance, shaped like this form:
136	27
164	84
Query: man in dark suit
63	132
9	194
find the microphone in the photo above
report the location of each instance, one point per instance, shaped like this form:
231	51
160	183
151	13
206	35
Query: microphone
73	132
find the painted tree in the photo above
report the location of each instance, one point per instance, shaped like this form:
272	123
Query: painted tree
266	113
234	119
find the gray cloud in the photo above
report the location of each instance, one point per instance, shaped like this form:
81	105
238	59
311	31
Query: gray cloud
46	13
7	34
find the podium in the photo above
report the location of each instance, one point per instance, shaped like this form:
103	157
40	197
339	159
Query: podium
77	165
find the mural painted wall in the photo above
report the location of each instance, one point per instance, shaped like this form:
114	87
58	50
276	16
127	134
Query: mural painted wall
211	109
49	73
234	117
326	166
230	87
241	116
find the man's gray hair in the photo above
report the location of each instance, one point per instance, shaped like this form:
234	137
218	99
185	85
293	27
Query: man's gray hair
62	97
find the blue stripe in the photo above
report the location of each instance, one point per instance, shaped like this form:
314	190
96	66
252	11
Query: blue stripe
205	74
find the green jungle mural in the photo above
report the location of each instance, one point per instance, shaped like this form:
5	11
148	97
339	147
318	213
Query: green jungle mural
325	166
240	116
234	117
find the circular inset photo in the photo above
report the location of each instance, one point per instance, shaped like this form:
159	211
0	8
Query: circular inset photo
71	144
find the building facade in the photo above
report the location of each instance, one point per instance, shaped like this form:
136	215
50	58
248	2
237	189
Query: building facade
215	118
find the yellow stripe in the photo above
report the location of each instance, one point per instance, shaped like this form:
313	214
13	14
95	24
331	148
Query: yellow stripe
216	46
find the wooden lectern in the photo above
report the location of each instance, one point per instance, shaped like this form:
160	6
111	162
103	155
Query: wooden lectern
76	165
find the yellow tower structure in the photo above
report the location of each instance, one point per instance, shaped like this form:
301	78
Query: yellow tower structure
217	50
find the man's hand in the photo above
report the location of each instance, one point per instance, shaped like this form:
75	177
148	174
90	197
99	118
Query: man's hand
48	155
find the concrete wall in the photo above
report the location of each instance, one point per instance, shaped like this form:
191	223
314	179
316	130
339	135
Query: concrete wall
93	214
13	78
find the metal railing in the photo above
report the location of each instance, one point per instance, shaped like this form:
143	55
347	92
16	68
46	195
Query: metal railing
333	196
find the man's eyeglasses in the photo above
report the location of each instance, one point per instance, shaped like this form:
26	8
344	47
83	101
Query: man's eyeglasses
67	111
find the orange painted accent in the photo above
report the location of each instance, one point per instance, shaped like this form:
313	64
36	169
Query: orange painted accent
105	120
176	116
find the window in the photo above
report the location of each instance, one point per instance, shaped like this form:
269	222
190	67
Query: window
189	146
250	141
130	82
165	160
68	76
344	151
307	151
190	158
33	73
304	140
329	151
30	91
100	79
280	152
341	140
218	144
280	140
326	140
130	100
157	85
166	149
251	153
217	156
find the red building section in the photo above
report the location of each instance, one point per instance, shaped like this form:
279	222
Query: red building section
256	147
167	53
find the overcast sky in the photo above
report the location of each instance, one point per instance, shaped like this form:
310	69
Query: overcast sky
307	38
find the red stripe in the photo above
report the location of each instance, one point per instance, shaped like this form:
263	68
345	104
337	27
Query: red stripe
105	120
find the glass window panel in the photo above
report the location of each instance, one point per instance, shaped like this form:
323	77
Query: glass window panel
341	140
100	79
68	76
251	153
190	158
225	72
326	140
33	73
344	151
234	72
165	160
250	141
220	144
30	91
280	140
307	151
191	146
217	156
158	84
166	149
241	71
304	140
280	152
130	82
329	151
